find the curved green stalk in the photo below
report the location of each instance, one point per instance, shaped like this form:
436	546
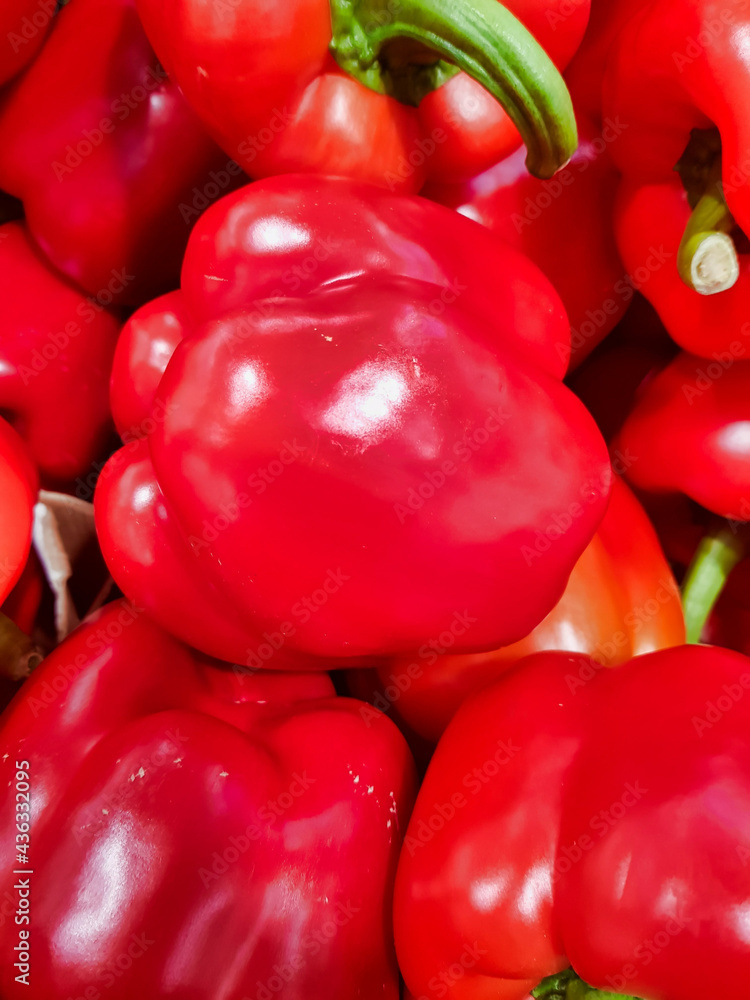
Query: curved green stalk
482	38
714	560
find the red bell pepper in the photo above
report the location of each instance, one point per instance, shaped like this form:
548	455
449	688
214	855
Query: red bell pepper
679	76
575	818
688	435
346	87
23	27
111	164
650	221
193	829
563	225
306	234
474	130
56	348
621	601
315	461
147	342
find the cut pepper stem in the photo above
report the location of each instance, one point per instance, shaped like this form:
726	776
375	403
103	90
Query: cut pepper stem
707	258
18	654
569	986
481	37
714	560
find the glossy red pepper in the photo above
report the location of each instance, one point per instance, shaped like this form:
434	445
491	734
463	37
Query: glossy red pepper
358	87
316	460
477	132
195	829
621	601
56	348
307	234
599	820
690	433
147	342
678	77
18	488
563	224
650	220
704	408
23	27
105	154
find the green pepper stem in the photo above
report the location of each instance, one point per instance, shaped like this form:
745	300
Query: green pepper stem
481	37
714	560
569	986
707	258
18	654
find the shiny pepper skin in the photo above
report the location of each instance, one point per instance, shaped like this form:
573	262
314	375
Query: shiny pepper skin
650	219
688	433
679	66
563	224
621	601
196	830
599	819
349	467
56	349
263	80
88	141
147	342
477	131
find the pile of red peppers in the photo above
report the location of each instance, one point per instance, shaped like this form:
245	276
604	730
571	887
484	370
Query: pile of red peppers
374	499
